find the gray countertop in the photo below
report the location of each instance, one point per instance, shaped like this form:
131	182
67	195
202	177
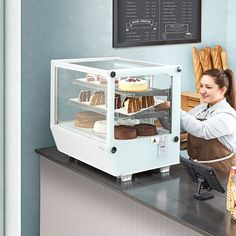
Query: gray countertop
169	194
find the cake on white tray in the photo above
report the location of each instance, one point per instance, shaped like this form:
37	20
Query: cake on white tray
133	84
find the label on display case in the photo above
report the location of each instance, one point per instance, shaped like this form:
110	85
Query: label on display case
153	22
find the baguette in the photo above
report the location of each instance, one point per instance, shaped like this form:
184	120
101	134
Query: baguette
216	57
219	48
208	49
205	59
197	68
224	60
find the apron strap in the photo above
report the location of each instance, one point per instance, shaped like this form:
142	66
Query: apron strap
216	160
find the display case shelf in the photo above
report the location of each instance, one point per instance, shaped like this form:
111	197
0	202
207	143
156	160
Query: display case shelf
103	110
96	85
86	105
69	125
149	92
142	110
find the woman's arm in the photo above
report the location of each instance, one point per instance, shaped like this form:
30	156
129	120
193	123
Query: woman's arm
214	127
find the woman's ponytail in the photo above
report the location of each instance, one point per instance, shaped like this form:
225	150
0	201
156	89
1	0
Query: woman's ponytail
230	93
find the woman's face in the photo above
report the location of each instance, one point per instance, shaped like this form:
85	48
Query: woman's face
210	91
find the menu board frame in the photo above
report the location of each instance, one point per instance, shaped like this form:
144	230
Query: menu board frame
118	31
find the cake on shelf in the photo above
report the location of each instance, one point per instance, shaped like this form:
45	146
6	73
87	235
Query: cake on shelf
100	126
147	101
146	129
136	104
104	81
85	95
117	101
90	77
132	105
133	84
100	77
98	98
124	132
86	119
93	77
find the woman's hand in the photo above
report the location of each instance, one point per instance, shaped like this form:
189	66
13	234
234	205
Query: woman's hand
163	106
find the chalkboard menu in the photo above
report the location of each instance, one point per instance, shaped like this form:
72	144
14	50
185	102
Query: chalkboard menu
152	22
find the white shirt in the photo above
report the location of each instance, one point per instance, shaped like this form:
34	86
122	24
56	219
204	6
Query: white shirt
220	123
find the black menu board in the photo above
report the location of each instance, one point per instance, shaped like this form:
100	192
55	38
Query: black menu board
152	22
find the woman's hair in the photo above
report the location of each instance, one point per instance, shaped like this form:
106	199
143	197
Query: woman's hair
224	78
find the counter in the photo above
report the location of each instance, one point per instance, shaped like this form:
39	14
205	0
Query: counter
169	194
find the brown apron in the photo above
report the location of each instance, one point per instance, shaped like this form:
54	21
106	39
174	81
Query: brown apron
207	150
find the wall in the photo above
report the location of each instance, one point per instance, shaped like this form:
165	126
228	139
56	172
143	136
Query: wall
74	28
231	33
1	116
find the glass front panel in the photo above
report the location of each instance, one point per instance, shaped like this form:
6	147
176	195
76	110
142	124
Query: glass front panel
82	102
140	101
144	103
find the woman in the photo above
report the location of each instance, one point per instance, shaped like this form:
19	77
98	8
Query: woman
211	126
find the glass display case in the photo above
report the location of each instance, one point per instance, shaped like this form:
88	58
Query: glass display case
118	115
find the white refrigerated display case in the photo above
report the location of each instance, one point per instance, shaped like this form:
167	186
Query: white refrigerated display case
75	83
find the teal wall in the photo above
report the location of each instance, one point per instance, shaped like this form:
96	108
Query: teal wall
231	33
76	28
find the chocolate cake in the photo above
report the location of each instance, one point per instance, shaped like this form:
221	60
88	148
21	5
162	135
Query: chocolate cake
146	129
147	101
117	101
125	132
132	105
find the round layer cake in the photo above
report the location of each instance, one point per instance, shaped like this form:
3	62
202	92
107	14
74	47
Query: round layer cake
133	84
125	132
129	122
100	126
86	119
146	129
